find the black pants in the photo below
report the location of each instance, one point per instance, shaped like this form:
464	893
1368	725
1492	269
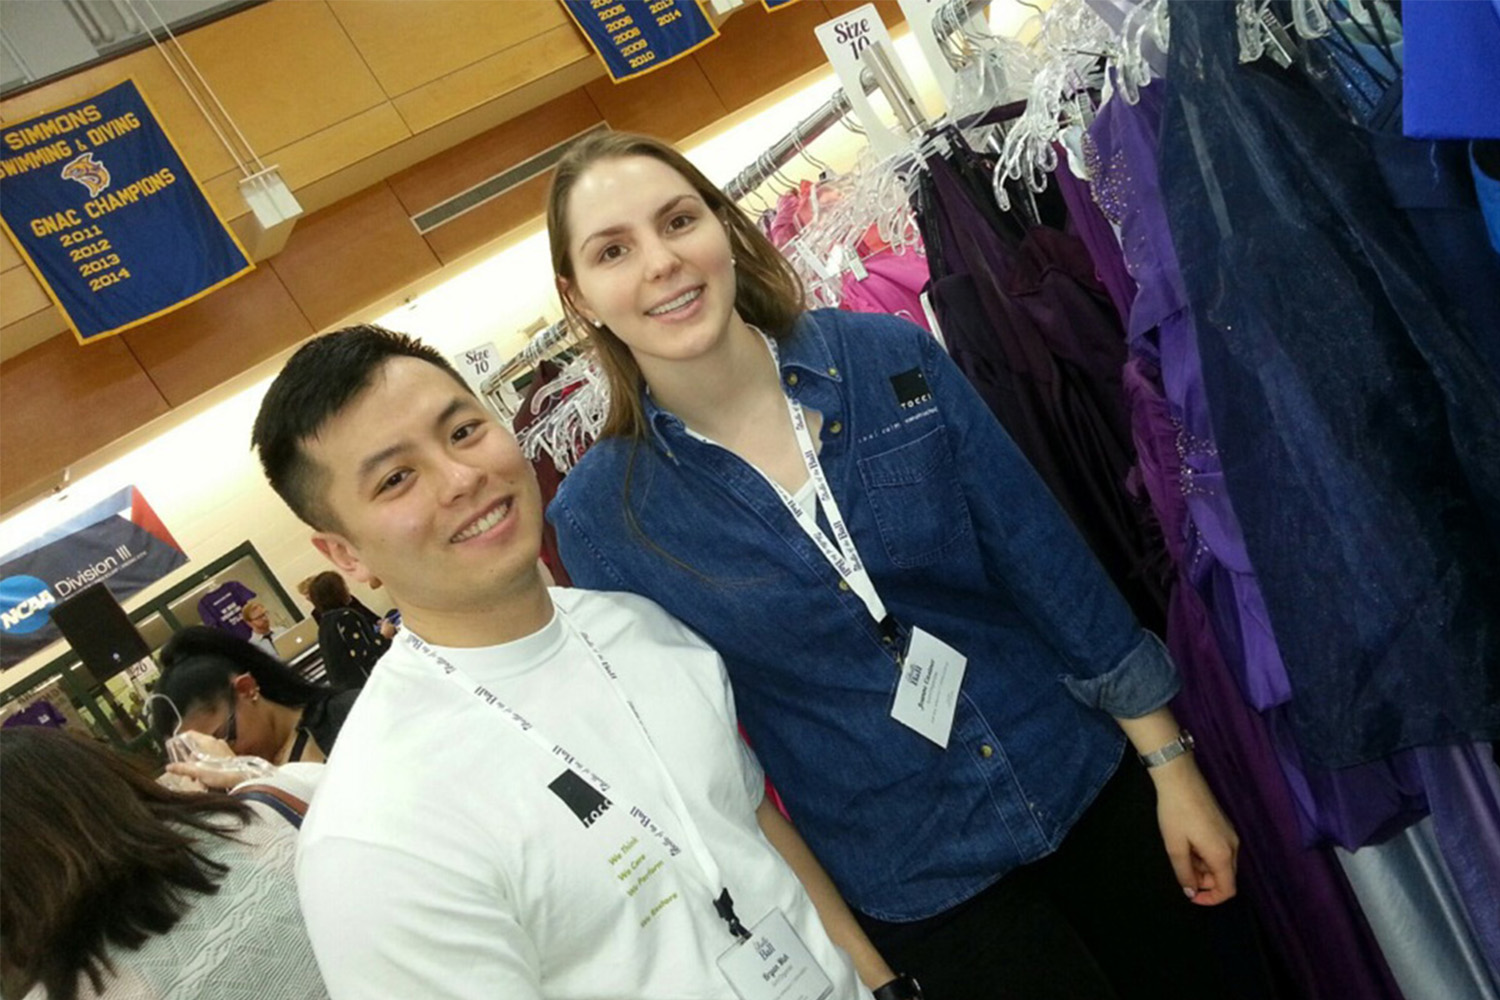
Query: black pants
1102	918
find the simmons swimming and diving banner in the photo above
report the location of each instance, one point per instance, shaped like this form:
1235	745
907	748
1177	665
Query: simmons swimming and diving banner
634	37
109	218
119	541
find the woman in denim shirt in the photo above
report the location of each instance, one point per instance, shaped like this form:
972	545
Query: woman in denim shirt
1005	853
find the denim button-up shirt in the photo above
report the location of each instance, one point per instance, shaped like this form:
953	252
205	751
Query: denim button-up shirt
961	538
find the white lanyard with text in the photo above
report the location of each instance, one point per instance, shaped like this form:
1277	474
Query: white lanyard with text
724	903
932	671
844	558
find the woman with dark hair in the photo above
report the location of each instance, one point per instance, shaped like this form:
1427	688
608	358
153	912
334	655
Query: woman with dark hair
351	637
931	665
114	887
223	686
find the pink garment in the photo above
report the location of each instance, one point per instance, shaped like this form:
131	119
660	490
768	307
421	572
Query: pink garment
893	285
785	225
794	210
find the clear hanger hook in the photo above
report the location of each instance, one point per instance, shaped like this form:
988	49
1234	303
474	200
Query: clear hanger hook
151	712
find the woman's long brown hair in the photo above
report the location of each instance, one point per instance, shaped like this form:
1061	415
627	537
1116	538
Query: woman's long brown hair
93	854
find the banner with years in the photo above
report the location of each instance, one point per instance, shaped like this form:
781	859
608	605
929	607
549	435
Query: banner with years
107	215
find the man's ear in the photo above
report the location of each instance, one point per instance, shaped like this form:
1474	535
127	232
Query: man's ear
341	552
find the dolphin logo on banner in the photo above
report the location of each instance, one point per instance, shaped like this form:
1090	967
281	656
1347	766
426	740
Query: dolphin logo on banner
89	172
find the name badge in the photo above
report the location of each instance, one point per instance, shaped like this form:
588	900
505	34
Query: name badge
774	964
927	694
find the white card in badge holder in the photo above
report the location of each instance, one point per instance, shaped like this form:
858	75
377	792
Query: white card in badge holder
774	964
932	675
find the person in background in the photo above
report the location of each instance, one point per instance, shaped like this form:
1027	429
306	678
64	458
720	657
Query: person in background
256	615
350	636
305	589
228	689
939	676
113	887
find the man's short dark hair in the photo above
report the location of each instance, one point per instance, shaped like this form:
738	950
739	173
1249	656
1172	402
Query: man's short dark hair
319	381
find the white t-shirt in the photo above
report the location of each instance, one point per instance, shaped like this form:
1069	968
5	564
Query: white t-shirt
437	861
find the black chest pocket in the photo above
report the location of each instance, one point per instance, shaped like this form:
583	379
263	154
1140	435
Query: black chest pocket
918	504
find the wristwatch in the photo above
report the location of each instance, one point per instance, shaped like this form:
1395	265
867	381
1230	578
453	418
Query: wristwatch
1184	743
901	988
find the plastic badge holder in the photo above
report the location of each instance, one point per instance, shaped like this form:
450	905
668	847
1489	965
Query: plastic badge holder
181	751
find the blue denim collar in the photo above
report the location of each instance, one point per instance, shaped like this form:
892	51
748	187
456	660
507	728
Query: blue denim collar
806	350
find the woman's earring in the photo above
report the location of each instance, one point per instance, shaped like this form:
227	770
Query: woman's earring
598	323
731	262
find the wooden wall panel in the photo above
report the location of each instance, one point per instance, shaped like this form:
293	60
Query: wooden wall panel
890	10
483	156
548	53
34	329
462	167
520	205
20	295
9	256
201	346
758	51
409	44
320	155
352	254
671	103
284	70
60	401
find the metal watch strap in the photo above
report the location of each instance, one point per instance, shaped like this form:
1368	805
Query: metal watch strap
901	988
1184	743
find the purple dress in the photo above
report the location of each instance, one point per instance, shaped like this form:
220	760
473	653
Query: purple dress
1218	629
1351	806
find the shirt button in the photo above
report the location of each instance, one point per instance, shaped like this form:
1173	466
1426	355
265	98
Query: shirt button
844	585
835	427
986	751
791	378
834	372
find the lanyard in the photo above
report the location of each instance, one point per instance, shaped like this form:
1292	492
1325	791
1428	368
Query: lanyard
843	557
724	904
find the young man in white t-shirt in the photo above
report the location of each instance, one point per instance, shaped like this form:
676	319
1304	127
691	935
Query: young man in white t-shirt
539	793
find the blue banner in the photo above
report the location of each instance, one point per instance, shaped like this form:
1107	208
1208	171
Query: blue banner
109	218
634	37
777	4
119	541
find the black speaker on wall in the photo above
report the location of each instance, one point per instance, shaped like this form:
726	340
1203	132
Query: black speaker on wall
100	632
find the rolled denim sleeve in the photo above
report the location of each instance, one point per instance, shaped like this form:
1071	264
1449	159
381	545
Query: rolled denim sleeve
1032	550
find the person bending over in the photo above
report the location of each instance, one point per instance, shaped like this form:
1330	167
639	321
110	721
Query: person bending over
224	687
113	887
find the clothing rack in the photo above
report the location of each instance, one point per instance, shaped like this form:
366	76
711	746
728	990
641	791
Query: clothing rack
785	149
542	345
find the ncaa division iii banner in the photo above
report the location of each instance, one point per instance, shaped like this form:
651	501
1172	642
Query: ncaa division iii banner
107	215
118	540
